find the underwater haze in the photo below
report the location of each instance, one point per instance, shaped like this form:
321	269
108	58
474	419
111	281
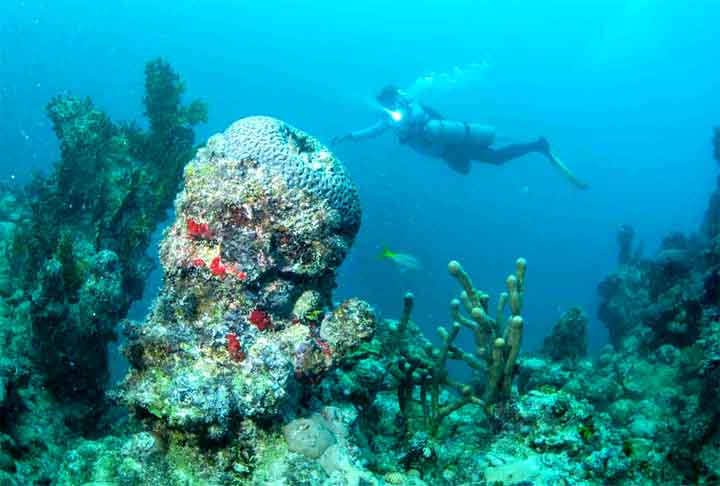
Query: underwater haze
625	91
622	89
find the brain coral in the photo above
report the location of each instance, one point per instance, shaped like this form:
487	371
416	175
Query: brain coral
274	205
300	160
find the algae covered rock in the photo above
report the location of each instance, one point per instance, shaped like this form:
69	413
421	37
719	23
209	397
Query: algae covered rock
74	241
323	439
568	340
309	437
348	326
244	320
275	198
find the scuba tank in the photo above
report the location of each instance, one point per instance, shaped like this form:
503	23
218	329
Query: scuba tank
449	132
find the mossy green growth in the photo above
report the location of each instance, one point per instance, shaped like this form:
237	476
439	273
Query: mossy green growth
628	448
171	123
112	186
163	96
586	431
196	112
72	273
547	389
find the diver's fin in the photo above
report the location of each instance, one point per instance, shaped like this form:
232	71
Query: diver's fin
544	147
568	173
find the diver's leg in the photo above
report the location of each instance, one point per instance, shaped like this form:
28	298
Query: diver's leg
502	155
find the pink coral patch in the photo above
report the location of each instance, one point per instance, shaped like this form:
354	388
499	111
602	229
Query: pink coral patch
198	230
237	272
233	347
260	319
217	268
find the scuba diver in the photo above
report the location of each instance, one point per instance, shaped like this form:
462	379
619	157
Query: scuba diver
457	143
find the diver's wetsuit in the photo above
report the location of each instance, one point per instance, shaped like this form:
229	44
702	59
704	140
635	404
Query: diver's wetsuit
412	122
409	129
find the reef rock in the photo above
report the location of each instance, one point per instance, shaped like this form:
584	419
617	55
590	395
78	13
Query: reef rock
569	337
266	217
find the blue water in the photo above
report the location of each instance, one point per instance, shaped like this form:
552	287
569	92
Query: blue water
622	88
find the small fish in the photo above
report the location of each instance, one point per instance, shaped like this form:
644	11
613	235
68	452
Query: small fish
404	261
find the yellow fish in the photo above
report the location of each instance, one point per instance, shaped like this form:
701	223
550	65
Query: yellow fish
404	261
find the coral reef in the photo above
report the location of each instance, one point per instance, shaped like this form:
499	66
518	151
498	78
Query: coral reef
645	300
421	369
244	320
711	222
626	239
246	373
497	344
414	416
87	236
74	259
659	380
568	340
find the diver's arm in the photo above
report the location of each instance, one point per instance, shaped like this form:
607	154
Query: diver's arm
370	132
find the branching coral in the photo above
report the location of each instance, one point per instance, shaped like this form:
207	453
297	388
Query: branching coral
497	344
